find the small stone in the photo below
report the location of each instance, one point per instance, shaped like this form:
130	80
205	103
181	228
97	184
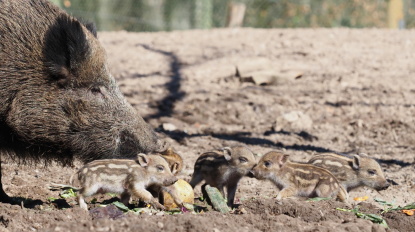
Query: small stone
110	211
294	120
160	213
169	127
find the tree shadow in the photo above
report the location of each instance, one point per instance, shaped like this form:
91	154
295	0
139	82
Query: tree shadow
303	134
166	105
362	103
389	162
244	137
61	204
25	202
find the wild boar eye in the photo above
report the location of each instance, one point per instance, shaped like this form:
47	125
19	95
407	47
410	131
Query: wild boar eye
372	172
267	164
243	160
160	168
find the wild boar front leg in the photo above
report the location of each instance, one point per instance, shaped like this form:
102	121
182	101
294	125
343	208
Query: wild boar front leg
3	196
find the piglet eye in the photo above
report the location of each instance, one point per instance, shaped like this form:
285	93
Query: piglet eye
372	172
160	168
267	164
243	160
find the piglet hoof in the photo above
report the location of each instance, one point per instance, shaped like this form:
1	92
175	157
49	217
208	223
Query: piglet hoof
84	207
158	206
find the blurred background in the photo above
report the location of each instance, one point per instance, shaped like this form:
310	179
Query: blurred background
167	15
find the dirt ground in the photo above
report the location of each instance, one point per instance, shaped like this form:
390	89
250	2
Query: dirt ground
301	91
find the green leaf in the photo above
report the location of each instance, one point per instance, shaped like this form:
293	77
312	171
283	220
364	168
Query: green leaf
121	206
410	206
318	199
345	210
67	193
56	187
368	216
217	200
189	206
384	224
382	202
112	194
52	199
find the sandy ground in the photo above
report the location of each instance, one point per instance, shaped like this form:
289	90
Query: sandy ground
350	91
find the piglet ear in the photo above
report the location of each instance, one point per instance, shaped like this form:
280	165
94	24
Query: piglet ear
142	160
227	153
65	47
168	151
175	168
356	162
284	159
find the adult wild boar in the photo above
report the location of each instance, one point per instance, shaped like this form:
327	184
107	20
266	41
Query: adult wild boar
58	100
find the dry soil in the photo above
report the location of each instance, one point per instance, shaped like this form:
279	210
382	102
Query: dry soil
301	91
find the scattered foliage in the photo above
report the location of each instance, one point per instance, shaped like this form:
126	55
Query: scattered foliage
368	216
67	193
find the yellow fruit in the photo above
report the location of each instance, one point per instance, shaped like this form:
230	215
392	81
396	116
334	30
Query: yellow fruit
184	191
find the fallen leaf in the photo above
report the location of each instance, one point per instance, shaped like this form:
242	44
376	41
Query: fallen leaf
361	198
408	212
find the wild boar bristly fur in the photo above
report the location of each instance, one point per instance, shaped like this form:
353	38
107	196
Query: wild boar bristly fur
58	98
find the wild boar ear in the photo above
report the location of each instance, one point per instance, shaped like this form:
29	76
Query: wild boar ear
91	28
356	162
227	153
65	46
142	160
284	159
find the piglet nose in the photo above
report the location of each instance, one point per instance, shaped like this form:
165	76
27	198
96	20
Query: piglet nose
385	186
175	180
251	174
170	181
